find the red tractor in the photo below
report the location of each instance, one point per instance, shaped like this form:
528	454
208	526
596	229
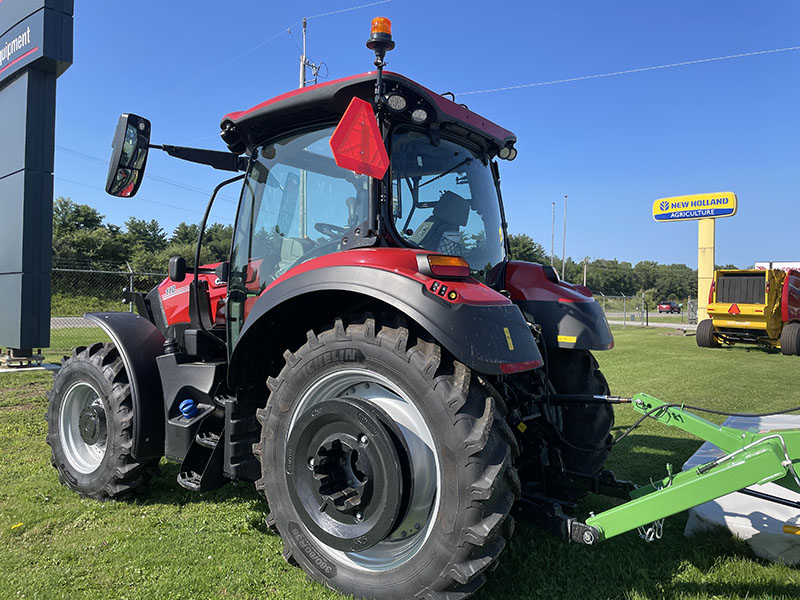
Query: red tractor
370	356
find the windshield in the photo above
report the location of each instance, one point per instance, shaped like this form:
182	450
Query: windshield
444	200
297	204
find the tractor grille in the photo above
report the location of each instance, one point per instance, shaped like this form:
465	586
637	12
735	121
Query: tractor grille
742	288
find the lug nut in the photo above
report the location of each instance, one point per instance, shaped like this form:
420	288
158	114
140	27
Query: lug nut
359	516
362	439
311	463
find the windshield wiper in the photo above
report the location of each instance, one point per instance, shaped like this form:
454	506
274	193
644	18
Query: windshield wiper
467	160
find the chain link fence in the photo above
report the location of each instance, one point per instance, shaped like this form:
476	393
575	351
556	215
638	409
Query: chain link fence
78	291
634	310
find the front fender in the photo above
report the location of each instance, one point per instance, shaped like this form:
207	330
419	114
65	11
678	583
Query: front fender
481	328
568	314
139	342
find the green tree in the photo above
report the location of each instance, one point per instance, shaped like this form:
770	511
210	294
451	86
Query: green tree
69	217
145	235
524	248
185	233
81	239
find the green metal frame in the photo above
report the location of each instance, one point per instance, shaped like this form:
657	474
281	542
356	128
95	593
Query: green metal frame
751	458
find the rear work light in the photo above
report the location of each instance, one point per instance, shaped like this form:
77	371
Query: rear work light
448	266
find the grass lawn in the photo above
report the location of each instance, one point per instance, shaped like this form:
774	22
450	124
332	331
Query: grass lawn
173	544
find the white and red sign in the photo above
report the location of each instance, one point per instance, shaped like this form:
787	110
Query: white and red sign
783	265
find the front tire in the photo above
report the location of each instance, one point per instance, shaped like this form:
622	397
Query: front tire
586	426
90	420
363	408
704	336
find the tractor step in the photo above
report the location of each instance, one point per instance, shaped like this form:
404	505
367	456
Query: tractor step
190	480
201	469
207	439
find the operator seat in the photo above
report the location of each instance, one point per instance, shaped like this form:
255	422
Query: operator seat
441	231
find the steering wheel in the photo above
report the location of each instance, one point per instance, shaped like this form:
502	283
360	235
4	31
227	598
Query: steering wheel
332	231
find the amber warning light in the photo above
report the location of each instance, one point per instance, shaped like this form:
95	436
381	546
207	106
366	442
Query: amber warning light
448	266
381	25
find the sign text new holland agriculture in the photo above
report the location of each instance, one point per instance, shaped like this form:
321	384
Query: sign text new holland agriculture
695	206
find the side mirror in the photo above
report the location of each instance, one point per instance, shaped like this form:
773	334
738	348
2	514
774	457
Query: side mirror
177	269
128	156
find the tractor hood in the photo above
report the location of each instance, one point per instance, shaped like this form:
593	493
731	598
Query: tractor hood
326	102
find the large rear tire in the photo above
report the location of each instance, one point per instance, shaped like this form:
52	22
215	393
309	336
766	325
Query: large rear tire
705	334
587	427
387	466
90	420
790	339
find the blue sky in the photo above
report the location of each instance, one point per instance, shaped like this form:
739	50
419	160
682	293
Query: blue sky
613	144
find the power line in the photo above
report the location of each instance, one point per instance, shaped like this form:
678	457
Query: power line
172	182
140	198
344	10
629	71
261	44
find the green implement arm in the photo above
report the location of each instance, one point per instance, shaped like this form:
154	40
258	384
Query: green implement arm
750	458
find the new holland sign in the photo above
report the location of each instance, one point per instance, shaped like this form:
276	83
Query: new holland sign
695	206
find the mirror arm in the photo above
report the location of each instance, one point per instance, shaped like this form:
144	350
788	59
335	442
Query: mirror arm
224	161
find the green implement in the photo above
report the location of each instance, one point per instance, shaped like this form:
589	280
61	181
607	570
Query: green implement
750	458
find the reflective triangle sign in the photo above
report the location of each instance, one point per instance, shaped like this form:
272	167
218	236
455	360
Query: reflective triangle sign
357	143
734	309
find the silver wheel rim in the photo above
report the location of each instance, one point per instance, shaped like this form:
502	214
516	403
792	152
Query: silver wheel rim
83	457
410	535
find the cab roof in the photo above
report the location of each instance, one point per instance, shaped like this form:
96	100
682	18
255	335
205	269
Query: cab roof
326	102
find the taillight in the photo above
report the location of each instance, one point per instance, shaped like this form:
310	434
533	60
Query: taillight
766	287
711	291
448	266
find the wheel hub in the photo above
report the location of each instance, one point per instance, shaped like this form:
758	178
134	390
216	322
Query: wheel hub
347	472
340	472
92	424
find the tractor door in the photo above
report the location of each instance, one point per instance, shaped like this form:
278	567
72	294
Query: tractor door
297	204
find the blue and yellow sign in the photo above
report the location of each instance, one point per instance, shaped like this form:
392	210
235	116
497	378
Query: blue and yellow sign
695	206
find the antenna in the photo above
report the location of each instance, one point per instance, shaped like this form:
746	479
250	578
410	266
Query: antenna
304	62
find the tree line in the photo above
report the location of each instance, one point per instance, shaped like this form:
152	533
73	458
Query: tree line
613	278
82	238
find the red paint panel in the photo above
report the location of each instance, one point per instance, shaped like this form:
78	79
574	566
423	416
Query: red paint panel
175	298
790	297
357	143
402	261
449	108
528	281
235	116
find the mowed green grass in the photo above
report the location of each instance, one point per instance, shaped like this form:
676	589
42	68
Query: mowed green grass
172	543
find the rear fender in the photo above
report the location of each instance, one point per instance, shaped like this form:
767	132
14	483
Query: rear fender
480	327
567	313
139	342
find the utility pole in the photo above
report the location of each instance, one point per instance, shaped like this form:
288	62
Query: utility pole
303	58
552	233
585	262
564	244
304	62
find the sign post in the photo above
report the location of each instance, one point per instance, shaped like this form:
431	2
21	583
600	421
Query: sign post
35	48
705	208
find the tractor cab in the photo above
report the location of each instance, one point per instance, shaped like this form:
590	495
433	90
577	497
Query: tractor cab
434	189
